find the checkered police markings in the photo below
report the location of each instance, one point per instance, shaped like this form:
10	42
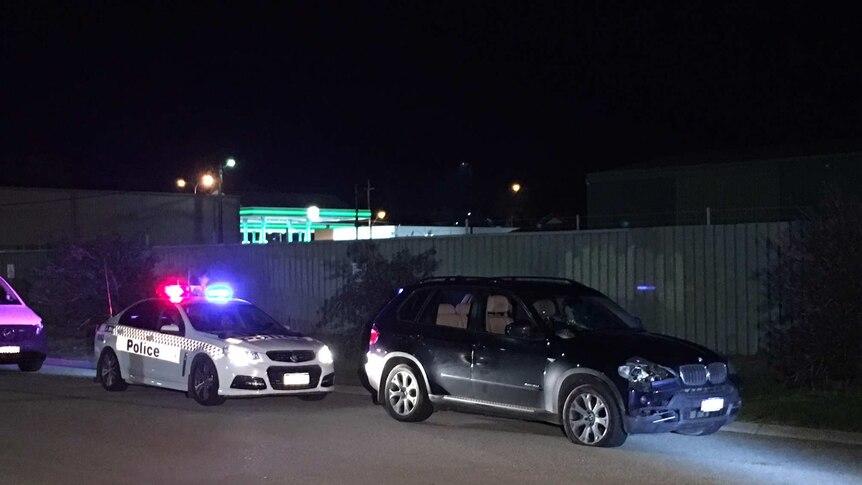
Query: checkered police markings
161	339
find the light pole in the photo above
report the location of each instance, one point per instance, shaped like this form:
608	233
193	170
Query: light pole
229	163
516	189
381	214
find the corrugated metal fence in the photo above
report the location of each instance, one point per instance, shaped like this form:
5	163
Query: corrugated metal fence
702	283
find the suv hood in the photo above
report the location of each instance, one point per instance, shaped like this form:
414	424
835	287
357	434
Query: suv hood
18	315
657	348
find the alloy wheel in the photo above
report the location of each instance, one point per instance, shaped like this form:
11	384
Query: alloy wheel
403	393
589	418
204	380
109	370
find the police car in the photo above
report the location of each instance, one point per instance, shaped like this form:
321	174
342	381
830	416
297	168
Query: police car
205	342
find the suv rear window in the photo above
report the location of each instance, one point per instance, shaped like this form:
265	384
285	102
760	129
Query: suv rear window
412	305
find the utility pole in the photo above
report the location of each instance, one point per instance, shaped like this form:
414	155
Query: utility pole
368	189
356	205
221	204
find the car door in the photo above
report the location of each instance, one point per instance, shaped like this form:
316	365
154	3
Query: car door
508	369
167	367
445	344
136	330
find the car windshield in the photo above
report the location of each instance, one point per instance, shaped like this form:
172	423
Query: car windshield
233	318
575	309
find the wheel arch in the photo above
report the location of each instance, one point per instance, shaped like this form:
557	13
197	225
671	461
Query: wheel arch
124	373
394	358
571	378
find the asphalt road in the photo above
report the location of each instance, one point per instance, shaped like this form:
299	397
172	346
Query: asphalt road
62	429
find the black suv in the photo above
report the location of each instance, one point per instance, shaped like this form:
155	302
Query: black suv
545	349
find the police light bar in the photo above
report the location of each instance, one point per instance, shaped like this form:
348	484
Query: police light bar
174	293
219	293
173	289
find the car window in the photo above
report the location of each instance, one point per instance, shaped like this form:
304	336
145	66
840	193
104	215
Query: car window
450	307
409	310
143	315
6	295
171	316
502	309
573	309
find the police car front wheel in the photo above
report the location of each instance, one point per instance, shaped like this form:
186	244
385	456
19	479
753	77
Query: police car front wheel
203	382
108	372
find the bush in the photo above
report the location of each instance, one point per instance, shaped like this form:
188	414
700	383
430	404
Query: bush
818	337
70	292
370	280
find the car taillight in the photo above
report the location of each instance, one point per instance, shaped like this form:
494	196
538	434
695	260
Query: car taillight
375	334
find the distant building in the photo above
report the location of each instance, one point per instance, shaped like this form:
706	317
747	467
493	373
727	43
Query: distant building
33	218
718	193
263	225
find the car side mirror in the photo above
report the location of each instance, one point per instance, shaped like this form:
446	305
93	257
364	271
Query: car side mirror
170	328
520	329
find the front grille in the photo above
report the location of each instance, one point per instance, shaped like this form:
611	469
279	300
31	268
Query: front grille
291	355
16	333
693	374
717	372
276	377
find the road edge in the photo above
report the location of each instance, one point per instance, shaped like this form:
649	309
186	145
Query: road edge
794	432
742	427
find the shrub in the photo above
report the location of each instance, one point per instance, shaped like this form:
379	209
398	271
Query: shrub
818	337
70	291
370	280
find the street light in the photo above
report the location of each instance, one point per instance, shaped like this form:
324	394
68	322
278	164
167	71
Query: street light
207	181
181	183
313	213
230	163
380	215
516	187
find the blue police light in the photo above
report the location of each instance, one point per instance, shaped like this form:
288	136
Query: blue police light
219	293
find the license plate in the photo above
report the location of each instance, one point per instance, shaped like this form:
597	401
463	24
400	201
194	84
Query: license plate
10	349
712	404
296	379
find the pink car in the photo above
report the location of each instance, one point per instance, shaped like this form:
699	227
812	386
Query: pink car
22	336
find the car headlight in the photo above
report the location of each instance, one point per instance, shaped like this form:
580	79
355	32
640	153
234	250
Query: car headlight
642	373
39	327
240	356
324	355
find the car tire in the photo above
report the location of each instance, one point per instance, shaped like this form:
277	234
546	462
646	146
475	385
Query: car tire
312	397
30	365
108	372
591	417
404	395
204	383
699	432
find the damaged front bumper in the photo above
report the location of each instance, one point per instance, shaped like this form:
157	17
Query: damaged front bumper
668	406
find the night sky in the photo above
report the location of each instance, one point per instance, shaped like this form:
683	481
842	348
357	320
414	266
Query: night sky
318	96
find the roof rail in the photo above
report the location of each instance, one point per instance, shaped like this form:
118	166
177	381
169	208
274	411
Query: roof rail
536	278
448	279
432	279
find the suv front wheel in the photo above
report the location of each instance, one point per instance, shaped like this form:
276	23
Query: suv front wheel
591	417
405	396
